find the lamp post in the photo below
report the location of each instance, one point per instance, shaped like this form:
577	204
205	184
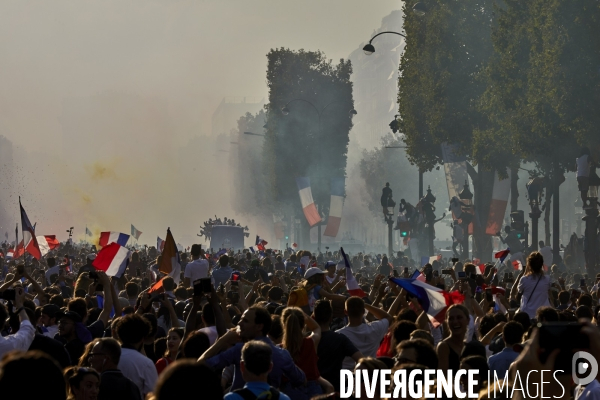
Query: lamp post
578	214
591	224
286	111
429	199
466	197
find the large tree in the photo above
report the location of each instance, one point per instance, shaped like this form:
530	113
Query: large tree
439	85
312	139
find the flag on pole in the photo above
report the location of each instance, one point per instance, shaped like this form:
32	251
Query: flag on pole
107	238
160	244
351	283
88	232
260	243
135	233
112	259
31	244
502	254
500	193
306	199
170	263
335	207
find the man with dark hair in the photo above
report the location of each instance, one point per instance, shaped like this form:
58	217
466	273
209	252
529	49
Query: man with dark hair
48	319
512	334
416	351
72	334
366	336
223	273
210	328
104	358
256	364
333	347
169	286
546	314
563	300
254	325
132	290
196	269
131	330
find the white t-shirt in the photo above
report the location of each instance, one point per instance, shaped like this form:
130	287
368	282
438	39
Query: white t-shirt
195	270
530	303
211	332
52	330
139	369
546	252
583	166
366	338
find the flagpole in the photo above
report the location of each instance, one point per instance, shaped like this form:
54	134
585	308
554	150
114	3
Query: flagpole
17	235
22	232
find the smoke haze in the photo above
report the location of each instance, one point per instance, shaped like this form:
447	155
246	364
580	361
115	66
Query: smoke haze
108	103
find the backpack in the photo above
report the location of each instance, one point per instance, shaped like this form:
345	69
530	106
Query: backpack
247	394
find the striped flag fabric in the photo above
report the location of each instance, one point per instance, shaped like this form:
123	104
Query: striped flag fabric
502	254
107	238
260	243
112	259
500	193
335	207
351	283
47	243
455	167
160	244
306	199
135	232
170	263
433	300
29	239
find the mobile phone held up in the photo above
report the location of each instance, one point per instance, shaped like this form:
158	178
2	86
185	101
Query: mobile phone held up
462	275
565	336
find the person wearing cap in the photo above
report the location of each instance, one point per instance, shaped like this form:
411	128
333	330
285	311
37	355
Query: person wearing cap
48	319
22	339
88	267
315	279
331	276
69	334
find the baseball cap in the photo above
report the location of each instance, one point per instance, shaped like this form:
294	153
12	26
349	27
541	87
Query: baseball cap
69	314
50	310
330	264
312	272
255	263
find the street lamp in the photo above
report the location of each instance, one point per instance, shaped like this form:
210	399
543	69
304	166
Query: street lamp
370	49
466	197
578	214
285	111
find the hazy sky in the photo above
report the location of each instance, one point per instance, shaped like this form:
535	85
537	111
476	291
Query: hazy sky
179	58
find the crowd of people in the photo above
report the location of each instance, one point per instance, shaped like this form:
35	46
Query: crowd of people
206	230
281	325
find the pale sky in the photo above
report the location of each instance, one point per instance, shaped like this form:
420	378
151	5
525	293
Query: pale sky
179	58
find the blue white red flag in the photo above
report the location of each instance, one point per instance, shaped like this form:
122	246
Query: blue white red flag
335	207
306	199
502	254
351	283
260	243
107	238
432	299
112	259
29	239
135	232
160	244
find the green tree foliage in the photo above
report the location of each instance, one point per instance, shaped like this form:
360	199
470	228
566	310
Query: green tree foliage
446	50
301	143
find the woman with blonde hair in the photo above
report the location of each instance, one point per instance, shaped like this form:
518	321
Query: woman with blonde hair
304	352
450	349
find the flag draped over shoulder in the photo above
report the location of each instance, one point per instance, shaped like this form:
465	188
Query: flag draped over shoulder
29	239
170	263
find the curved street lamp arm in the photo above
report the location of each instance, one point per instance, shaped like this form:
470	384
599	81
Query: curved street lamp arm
381	33
330	103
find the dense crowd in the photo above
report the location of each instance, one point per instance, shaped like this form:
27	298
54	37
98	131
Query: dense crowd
281	325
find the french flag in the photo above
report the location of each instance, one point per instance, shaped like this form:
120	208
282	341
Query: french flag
160	244
260	243
112	259
29	239
107	238
47	243
335	207
500	193
502	254
306	199
418	275
433	300
351	283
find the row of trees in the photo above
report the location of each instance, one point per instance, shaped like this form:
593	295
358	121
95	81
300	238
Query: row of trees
508	82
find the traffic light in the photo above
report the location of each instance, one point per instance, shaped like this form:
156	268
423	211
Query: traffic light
517	223
287	237
404	233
